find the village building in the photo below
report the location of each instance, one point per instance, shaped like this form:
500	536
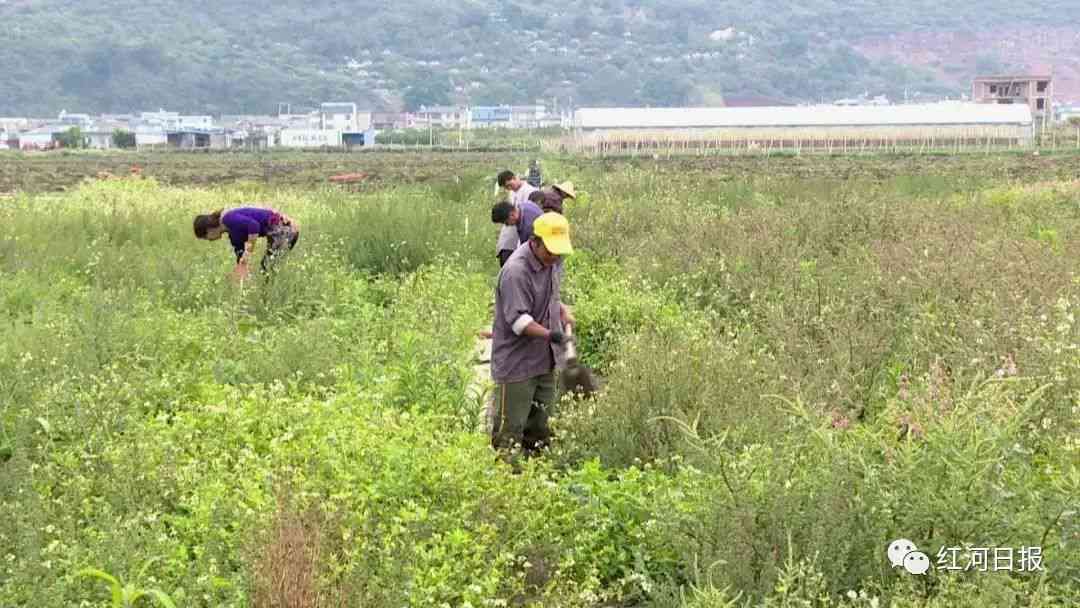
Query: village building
533	116
528	116
343	117
1034	91
83	121
446	117
1066	113
99	139
197	139
165	121
41	138
486	117
390	121
150	136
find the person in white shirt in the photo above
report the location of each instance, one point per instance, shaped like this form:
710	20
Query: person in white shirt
519	191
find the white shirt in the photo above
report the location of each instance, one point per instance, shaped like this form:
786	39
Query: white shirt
518	198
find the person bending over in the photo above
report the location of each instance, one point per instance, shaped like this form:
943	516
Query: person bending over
245	225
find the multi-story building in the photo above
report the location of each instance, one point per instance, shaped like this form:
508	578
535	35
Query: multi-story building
490	116
388	121
447	117
1035	91
343	117
527	117
76	120
514	117
195	122
162	120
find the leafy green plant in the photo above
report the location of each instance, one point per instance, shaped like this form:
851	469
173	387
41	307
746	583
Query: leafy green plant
123	139
72	138
127	595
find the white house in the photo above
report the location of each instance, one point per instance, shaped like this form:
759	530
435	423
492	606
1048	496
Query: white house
449	117
150	135
98	139
195	122
1066	113
340	116
166	121
75	120
14	125
527	117
38	139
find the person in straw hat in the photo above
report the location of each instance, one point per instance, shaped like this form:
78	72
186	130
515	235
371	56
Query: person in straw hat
553	198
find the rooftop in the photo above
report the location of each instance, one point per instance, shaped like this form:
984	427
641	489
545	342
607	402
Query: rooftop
1014	77
441	110
954	113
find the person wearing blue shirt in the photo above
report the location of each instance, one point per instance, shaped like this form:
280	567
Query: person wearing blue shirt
521	217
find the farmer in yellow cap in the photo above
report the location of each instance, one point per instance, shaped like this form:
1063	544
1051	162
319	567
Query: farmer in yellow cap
529	323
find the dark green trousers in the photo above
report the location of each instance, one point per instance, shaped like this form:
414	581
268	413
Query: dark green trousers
521	414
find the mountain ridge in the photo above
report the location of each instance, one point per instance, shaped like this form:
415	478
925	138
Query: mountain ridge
245	57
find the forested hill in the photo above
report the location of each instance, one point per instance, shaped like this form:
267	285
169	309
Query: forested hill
225	56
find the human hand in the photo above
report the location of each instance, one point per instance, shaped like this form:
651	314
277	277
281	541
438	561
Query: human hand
567	316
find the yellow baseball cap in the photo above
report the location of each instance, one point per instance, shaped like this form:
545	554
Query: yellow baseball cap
554	230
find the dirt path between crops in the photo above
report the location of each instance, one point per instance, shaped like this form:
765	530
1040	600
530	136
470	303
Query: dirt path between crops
480	388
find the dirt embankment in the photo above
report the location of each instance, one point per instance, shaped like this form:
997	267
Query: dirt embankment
957	57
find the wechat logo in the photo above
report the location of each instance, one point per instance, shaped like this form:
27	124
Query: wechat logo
903	553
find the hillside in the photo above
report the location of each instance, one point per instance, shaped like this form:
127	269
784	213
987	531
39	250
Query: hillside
951	55
232	56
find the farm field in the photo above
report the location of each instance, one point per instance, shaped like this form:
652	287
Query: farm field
805	360
50	172
60	171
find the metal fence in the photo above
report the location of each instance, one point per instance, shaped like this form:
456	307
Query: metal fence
797	142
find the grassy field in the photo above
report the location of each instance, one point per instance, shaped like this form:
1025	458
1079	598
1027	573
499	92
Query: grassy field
805	359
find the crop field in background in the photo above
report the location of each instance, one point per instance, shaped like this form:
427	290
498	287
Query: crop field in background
805	359
57	171
44	172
